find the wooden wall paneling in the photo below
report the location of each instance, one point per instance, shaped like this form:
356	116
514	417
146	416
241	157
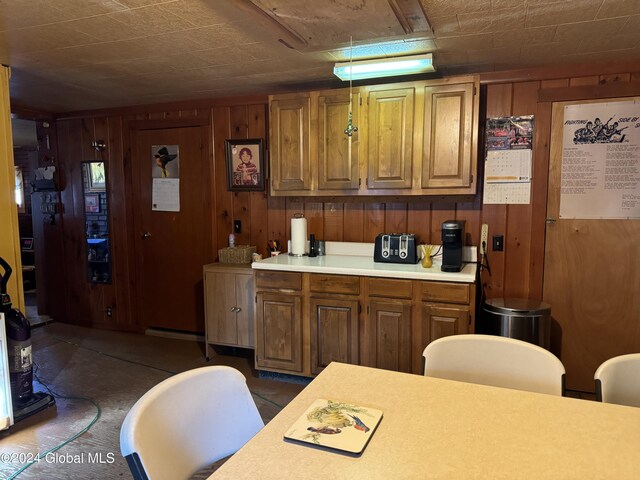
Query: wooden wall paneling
258	223
615	77
241	201
374	214
441	212
635	77
419	221
498	100
517	242
156	116
77	293
576	82
471	212
314	212
395	217
277	221
239	127
353	226
293	206
121	227
333	222
223	198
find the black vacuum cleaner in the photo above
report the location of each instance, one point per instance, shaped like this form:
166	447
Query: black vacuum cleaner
25	402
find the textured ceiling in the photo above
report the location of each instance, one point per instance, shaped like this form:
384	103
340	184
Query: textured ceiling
69	55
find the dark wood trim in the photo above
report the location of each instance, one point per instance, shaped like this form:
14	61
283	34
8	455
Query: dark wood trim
199	104
560	71
28	113
589	92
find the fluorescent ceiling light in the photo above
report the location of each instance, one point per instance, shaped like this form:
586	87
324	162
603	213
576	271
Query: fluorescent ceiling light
384	67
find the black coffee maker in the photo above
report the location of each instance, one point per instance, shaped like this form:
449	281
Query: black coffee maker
452	243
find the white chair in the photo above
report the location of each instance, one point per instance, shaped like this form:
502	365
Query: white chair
496	361
188	422
618	380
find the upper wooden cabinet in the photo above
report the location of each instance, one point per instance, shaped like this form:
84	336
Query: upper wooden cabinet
290	143
338	154
449	137
414	138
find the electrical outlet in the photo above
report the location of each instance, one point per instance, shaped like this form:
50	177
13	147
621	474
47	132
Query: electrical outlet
498	243
484	239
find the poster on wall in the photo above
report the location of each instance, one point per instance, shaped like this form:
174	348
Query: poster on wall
601	161
165	173
507	170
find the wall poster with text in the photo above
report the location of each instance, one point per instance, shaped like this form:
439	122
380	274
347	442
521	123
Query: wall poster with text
601	161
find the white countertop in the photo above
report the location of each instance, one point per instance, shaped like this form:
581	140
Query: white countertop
357	259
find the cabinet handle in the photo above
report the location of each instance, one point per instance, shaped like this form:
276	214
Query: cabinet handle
233	309
238	309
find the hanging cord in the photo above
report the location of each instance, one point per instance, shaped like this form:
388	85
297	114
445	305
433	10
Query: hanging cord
41	456
351	128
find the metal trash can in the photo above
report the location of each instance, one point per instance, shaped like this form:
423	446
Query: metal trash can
520	318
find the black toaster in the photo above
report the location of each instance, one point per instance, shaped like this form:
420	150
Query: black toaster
395	248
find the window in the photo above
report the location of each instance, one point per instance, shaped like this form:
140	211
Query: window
19	192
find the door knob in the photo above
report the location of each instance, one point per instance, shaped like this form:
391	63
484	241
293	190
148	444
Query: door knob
145	235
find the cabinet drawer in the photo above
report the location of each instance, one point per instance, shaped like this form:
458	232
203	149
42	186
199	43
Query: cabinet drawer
445	292
334	284
276	280
389	288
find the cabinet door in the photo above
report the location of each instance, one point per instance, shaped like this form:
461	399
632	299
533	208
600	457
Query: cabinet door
448	155
220	294
337	152
244	310
279	331
390	334
334	332
290	142
390	134
441	321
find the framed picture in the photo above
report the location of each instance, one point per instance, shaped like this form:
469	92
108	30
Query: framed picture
92	203
245	164
96	178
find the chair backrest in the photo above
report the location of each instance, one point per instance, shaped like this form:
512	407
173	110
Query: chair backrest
188	422
496	361
618	380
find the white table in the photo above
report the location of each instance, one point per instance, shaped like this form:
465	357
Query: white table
442	429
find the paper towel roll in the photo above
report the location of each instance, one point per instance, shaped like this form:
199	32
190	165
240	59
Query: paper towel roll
298	236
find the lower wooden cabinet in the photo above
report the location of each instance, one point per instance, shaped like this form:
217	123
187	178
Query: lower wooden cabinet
390	334
279	331
334	332
229	305
306	321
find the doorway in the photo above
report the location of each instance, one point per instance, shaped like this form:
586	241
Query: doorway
591	278
173	241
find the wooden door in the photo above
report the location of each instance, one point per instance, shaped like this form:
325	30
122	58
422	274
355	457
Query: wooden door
338	155
222	322
172	247
390	134
290	142
279	331
390	330
334	332
448	156
244	307
591	281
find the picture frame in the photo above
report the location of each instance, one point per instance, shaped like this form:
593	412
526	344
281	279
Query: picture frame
92	203
96	177
245	164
